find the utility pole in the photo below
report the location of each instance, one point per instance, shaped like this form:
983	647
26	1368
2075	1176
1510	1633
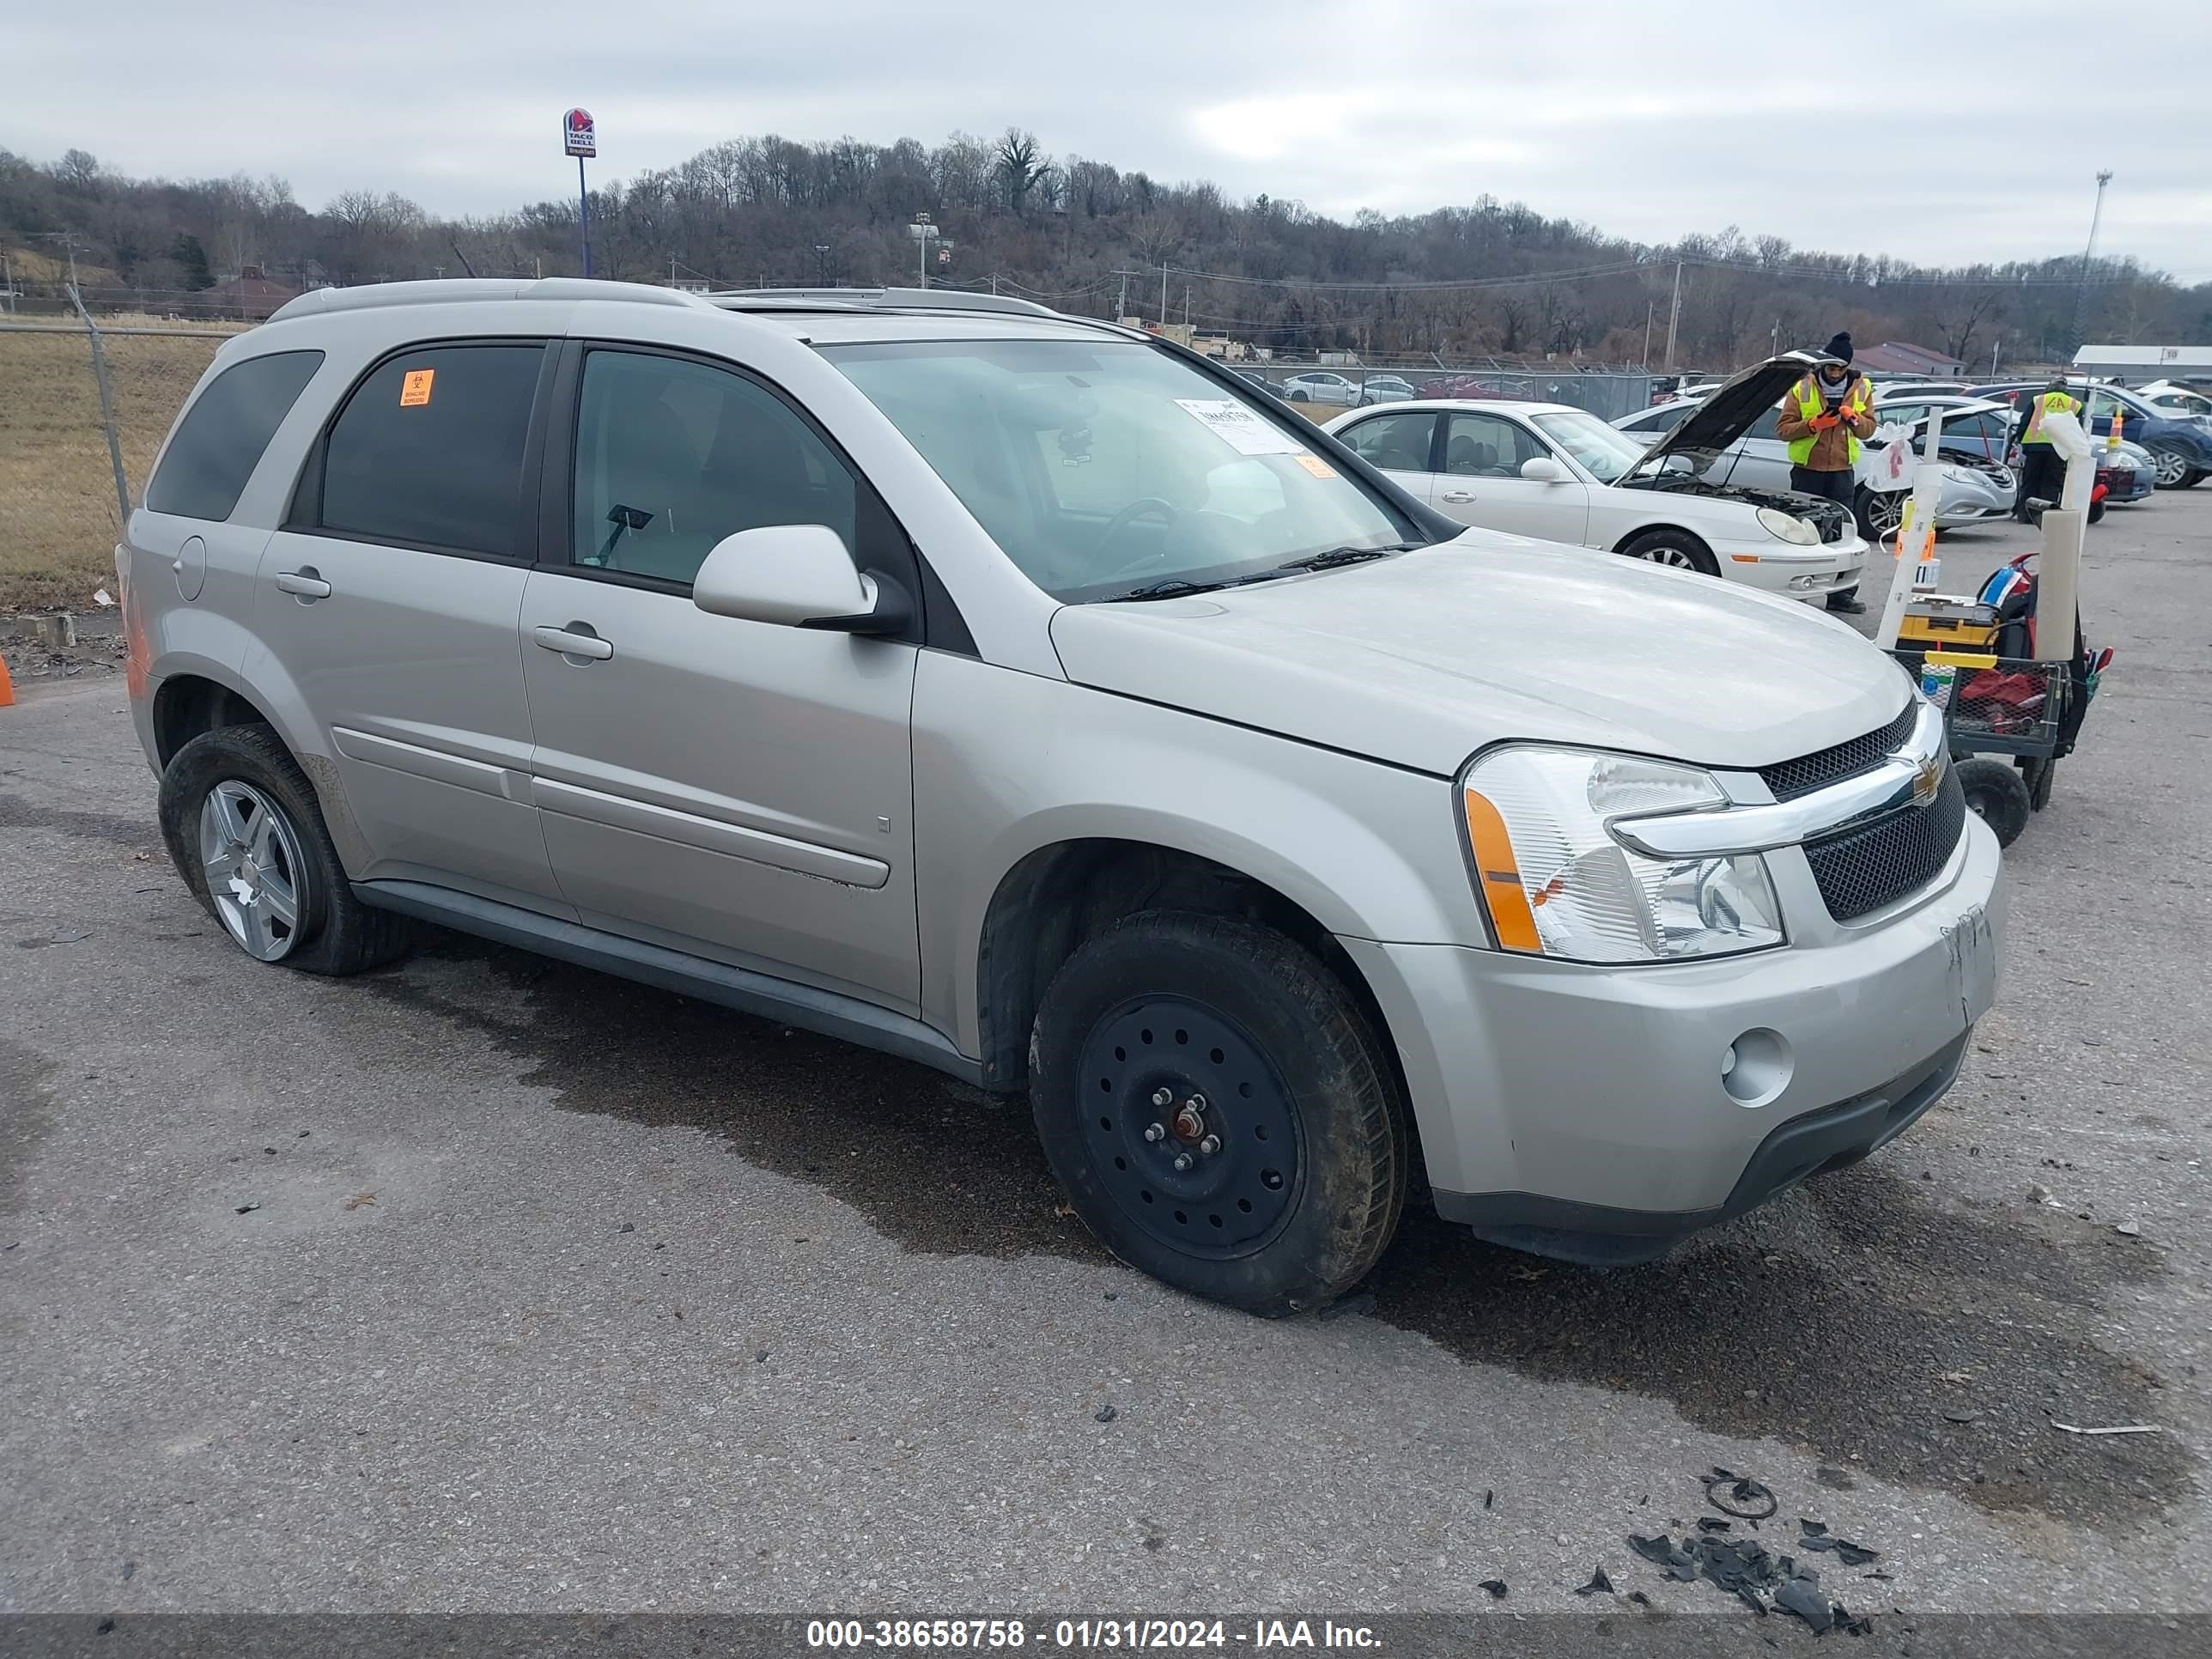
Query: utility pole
1163	294
822	264
1186	305
1121	306
924	233
1674	316
1650	307
2073	333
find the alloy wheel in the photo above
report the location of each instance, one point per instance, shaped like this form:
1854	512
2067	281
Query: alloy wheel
1885	510
255	872
1676	558
2172	466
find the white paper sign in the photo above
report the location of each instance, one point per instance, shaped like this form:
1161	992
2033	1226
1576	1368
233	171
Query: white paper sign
1239	427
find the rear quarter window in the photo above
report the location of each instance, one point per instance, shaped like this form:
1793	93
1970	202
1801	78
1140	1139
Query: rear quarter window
428	450
223	433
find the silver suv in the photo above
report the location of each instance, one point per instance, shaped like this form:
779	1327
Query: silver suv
1036	700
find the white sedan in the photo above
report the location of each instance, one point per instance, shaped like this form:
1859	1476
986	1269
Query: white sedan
1559	474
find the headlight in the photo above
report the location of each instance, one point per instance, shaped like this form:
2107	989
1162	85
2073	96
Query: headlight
1958	475
1557	884
1788	528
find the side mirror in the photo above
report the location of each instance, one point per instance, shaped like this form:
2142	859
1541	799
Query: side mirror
799	575
1542	469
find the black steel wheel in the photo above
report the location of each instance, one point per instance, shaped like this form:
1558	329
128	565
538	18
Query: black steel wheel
1219	1110
1997	795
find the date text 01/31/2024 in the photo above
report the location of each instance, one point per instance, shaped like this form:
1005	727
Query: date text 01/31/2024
1083	1634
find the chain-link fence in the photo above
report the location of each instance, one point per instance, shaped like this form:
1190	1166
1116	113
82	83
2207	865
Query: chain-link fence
58	515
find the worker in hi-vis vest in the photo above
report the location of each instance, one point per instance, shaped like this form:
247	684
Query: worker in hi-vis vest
2042	473
1824	419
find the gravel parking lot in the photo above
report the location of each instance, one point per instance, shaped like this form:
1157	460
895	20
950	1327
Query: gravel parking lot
488	1282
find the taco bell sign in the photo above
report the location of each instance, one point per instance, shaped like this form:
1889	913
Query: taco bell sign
579	136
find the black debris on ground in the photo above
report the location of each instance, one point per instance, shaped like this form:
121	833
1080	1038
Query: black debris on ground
627	1227
1714	1524
1817	1538
1738	1495
1598	1585
1496	1587
1489	1497
1639	1598
1105	1413
1805	1598
1746	1568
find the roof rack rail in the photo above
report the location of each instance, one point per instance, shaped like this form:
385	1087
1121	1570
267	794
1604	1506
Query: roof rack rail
872	299
451	290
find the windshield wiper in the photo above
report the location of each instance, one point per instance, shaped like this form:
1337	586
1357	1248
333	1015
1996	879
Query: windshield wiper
1175	586
1337	555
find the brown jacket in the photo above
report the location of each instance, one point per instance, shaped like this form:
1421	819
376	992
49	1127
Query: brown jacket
1832	449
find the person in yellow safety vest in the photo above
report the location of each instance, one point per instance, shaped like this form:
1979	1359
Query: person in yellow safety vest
2042	473
1824	418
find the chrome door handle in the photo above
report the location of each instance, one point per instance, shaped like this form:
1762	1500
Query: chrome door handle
305	582
1459	497
572	644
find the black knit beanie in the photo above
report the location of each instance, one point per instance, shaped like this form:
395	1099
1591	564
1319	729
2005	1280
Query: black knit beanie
1840	347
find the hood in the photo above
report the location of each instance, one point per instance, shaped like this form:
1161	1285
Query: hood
1423	658
1742	398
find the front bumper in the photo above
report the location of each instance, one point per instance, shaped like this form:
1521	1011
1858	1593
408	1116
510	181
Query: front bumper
1794	573
1581	1111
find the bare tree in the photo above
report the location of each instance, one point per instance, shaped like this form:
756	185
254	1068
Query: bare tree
1023	166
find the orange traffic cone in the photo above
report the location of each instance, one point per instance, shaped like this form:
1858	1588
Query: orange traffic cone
6	685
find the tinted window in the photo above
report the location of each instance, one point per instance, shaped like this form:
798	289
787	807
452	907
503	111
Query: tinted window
1397	442
1488	447
228	425
428	450
672	456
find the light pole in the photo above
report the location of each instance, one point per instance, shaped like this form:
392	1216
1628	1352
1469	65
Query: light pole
924	233
822	263
2089	253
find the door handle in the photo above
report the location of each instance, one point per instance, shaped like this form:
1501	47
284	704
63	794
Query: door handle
306	583
1459	497
577	640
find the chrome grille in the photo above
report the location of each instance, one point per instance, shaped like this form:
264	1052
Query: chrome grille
1792	778
1861	869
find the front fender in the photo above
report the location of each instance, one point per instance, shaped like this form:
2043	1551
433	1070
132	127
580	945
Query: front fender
1007	763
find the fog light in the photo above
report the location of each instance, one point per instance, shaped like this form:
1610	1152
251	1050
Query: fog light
1803	583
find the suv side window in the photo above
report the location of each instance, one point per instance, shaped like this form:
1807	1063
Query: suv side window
215	450
429	451
1768	425
672	455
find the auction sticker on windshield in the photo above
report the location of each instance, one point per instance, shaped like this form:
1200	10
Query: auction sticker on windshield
1239	427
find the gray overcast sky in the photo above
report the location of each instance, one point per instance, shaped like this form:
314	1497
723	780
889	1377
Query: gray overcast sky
1646	118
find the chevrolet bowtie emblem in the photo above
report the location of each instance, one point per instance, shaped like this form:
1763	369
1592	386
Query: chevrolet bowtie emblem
1927	780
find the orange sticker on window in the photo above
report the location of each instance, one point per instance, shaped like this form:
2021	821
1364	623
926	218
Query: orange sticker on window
414	388
1314	465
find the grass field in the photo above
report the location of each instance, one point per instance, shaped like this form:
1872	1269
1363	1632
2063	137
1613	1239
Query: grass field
58	527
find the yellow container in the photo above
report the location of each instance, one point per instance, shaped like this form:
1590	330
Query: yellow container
1944	622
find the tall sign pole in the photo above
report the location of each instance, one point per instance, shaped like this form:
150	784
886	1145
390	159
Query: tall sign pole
580	138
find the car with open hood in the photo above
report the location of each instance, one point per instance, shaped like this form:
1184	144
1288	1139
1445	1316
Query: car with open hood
1558	473
1033	700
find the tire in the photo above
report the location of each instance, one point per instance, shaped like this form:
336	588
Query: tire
2172	464
1997	795
2037	773
255	785
1307	1174
1677	550
2096	512
1879	512
1299	395
2194	477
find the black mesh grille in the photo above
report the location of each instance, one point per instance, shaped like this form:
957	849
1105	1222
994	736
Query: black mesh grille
1862	870
1816	771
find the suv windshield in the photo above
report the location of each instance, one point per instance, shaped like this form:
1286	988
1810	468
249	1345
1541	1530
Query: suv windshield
1104	467
1604	452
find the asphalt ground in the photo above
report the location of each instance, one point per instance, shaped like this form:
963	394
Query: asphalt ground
484	1282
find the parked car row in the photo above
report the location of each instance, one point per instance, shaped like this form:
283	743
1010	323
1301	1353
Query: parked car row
1559	474
1016	695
